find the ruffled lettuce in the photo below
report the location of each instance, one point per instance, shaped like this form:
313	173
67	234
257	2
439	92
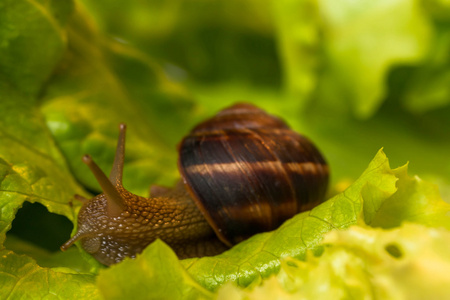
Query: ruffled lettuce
408	262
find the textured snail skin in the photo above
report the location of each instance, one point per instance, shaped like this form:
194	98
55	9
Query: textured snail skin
173	217
243	171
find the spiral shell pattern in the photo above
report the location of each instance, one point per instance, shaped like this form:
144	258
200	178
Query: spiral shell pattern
249	172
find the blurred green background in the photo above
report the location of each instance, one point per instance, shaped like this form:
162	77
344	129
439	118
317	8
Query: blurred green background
353	76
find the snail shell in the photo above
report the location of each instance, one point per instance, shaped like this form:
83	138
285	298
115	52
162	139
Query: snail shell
248	172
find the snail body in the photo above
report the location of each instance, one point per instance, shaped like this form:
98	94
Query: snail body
243	172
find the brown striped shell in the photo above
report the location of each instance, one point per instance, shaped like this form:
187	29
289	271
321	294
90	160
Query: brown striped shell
248	171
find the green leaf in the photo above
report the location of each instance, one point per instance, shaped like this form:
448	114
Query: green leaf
36	26
344	50
71	259
158	267
415	201
409	262
299	41
429	84
31	167
22	278
364	41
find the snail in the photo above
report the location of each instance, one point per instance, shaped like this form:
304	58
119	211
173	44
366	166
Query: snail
242	172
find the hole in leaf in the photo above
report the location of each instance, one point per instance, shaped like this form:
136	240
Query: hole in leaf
34	224
394	250
292	263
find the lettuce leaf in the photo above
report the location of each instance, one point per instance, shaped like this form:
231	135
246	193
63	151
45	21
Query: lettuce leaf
364	41
22	278
31	166
408	262
35	25
158	267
